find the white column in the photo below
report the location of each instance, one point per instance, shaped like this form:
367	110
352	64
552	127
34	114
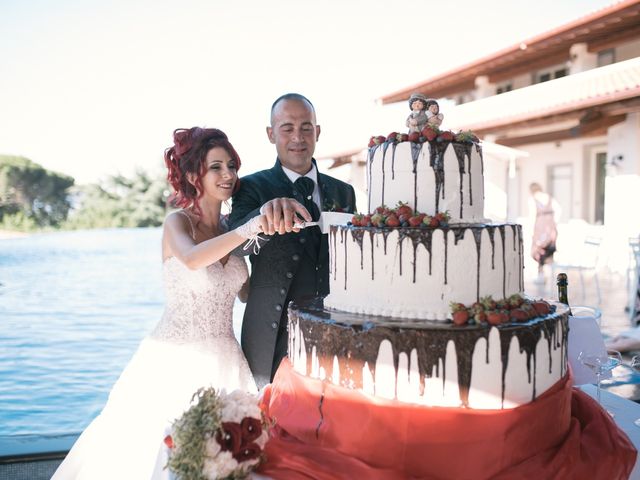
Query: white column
622	190
581	59
484	88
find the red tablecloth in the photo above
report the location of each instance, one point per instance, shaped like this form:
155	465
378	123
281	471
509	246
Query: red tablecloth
327	432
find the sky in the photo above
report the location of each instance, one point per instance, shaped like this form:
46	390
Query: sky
92	88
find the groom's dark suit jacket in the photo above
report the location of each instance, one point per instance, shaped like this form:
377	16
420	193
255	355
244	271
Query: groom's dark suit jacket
288	266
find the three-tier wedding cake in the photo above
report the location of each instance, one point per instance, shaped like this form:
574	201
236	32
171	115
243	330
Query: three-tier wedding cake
386	328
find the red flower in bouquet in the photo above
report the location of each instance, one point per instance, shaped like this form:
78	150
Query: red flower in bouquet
230	437
251	429
249	451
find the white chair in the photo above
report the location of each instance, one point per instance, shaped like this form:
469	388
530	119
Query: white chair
633	281
585	259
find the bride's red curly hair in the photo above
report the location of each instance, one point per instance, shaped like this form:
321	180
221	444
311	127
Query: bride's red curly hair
187	158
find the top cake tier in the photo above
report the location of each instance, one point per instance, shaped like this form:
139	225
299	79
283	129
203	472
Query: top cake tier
432	177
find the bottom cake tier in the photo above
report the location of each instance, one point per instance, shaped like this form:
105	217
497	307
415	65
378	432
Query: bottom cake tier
430	363
329	432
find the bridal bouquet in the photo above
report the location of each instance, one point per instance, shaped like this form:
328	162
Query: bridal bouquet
221	436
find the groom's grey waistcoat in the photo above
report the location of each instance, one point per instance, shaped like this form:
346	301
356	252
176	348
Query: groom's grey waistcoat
288	266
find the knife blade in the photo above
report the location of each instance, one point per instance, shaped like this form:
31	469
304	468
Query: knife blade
326	220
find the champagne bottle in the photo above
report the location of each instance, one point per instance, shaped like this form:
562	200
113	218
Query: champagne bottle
562	283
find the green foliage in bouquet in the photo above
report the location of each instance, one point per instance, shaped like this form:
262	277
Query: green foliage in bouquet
191	431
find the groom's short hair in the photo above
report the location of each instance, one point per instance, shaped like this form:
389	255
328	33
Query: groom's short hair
291	96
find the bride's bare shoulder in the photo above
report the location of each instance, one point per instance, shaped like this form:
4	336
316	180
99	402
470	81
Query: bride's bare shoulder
178	221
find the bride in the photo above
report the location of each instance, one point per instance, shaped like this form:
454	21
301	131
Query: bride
193	345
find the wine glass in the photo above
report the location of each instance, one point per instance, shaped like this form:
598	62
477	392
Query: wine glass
635	364
601	362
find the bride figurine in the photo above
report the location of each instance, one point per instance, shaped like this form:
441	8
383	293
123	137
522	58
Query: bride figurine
193	345
434	117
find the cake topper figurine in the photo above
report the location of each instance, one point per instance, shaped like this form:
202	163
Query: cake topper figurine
417	119
423	111
434	117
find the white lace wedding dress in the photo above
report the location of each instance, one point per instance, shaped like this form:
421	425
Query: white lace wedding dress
193	346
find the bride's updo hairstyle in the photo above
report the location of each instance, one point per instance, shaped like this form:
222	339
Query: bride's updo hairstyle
186	162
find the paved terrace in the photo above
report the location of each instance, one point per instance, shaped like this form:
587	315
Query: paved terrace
615	318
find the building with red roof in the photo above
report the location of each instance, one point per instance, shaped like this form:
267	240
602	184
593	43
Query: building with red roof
568	102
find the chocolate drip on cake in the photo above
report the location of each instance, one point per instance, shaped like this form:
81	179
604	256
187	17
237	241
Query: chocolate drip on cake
343	238
371	237
356	343
491	232
479	152
393	162
528	340
334	237
400	256
416	148
504	261
470	179
358	236
385	235
446	253
461	151
372	152
458	233
477	235
521	257
426	240
517	244
385	145
418	237
384	157
514	230
436	160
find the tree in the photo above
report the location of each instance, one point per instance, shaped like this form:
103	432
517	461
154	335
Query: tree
122	202
30	192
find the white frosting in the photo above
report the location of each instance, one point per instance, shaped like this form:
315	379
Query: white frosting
391	178
402	273
441	386
375	280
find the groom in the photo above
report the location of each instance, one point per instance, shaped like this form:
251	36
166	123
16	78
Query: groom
291	265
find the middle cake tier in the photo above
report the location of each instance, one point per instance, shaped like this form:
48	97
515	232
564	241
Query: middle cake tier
418	272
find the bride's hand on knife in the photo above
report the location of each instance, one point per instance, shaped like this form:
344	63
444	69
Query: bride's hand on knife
282	214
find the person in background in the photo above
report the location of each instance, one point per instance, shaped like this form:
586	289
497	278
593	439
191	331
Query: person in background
545	212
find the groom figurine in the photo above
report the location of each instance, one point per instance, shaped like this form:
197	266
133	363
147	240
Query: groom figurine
294	263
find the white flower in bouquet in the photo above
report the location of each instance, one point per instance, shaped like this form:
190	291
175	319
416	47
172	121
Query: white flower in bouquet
220	436
212	448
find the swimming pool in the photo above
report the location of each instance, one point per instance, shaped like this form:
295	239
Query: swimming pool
73	308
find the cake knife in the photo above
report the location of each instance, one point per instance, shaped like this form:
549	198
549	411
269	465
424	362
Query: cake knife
326	220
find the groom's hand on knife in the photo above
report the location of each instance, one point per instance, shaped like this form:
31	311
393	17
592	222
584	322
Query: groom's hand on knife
282	214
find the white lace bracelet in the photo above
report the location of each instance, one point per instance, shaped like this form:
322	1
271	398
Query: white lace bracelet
251	231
